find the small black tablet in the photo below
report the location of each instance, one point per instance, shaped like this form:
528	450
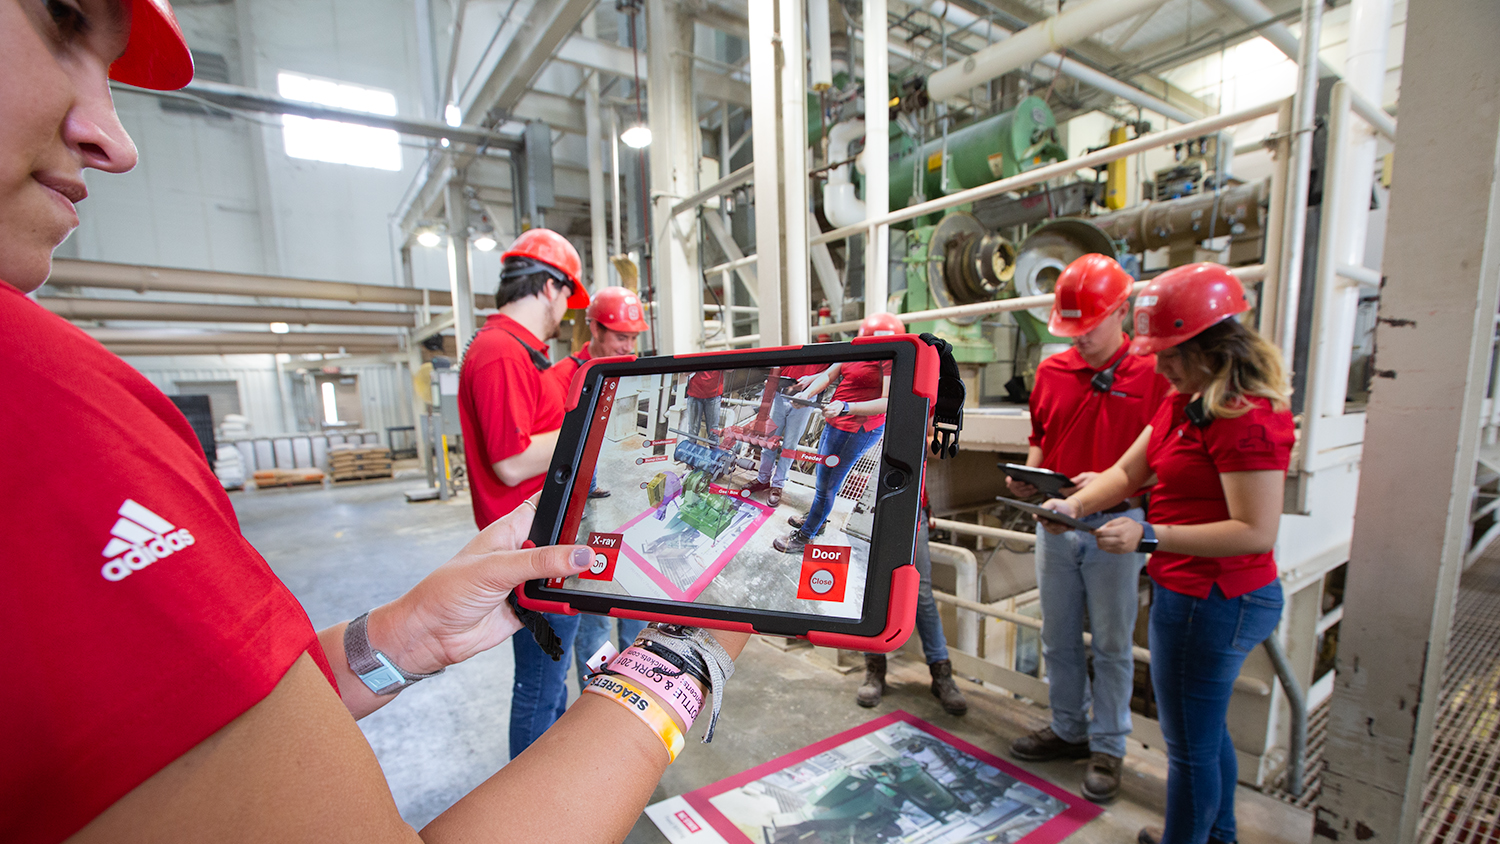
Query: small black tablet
1044	513
1049	482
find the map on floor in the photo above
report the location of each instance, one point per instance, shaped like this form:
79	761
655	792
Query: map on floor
896	778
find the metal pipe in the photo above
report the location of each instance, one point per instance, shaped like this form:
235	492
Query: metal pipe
267	340
141	279
137	309
984	530
877	156
796	284
1249	685
614	177
742	176
460	265
966	567
1207	125
1032	43
594	137
1297	701
1294	231
820	46
1256	14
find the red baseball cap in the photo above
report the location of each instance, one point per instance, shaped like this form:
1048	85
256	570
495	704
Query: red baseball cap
156	55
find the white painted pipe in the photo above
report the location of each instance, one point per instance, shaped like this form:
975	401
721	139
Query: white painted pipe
1259	16
1032	43
964	18
840	204
966	565
819	46
877	152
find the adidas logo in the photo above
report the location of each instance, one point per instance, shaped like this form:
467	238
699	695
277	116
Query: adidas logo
139	539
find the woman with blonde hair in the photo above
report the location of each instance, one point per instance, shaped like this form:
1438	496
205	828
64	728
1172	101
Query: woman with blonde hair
1218	450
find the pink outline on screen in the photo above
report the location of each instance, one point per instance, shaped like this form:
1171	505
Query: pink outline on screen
708	575
1065	823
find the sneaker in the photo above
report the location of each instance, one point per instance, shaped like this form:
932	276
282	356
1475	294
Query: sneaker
1102	783
798	521
1044	744
598	493
774	497
792	543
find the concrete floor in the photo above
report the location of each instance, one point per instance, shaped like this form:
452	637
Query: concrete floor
343	550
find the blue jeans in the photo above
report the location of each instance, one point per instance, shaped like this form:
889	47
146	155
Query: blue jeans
848	445
929	623
791	423
1074	576
593	631
701	411
539	692
1197	648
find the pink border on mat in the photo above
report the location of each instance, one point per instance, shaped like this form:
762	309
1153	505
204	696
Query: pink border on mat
712	571
1078	813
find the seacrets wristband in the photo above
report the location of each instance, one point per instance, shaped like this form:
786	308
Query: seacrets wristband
660	677
630	696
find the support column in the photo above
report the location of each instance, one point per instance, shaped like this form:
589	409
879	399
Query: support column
675	146
1437	311
460	264
765	77
594	136
877	154
795	282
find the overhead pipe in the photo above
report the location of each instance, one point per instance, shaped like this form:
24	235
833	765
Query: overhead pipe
1256	14
147	310
141	279
965	19
1031	43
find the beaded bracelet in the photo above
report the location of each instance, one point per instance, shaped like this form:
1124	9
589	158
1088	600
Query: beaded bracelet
630	696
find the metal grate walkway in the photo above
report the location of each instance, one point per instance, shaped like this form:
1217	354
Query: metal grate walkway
1461	801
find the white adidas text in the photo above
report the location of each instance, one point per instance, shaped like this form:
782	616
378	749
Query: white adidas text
140	538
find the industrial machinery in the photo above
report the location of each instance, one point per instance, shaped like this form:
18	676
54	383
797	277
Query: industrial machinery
702	455
707	511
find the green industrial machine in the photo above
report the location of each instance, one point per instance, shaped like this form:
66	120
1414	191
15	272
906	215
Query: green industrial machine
997	147
709	513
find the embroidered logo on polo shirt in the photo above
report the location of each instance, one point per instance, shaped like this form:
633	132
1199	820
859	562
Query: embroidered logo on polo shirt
138	539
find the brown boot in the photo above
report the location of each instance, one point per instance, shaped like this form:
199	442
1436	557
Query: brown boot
1044	744
874	685
945	690
1102	783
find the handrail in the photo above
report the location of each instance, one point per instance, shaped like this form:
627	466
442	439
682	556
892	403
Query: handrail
1205	126
1249	685
1372	114
722	186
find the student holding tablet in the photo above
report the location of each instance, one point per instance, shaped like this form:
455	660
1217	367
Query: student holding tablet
1089	405
1219	450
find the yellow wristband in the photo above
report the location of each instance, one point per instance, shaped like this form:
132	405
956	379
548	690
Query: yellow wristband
630	696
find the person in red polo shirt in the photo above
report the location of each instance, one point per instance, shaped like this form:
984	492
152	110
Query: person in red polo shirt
168	687
1089	404
854	419
511	412
1219	450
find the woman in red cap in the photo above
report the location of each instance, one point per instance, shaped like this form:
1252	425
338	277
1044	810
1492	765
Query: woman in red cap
169	687
1219	450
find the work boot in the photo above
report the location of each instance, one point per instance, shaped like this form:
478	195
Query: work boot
596	492
1044	744
774	496
874	685
798	521
1153	835
792	543
1102	783
757	486
945	690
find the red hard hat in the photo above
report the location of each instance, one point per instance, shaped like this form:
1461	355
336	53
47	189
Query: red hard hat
617	309
555	251
156	55
1181	302
879	325
1088	290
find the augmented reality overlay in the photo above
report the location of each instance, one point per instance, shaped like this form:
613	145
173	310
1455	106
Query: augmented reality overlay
685	520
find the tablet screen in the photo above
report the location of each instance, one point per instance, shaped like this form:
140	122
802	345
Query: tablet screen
685	520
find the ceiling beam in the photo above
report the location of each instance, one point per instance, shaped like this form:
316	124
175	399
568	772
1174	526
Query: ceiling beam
539	36
144	278
153	311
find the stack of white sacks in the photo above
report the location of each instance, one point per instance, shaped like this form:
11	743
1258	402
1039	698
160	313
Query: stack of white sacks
229	466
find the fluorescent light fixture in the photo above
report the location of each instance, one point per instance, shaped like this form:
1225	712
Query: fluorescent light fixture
485	242
280	328
453	115
429	238
636	137
330	140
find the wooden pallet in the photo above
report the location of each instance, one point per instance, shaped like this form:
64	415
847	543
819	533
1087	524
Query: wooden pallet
360	476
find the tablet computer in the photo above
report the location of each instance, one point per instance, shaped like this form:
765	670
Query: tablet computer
1044	513
678	441
1050	483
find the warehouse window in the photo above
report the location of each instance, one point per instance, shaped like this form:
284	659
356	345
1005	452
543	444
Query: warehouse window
330	140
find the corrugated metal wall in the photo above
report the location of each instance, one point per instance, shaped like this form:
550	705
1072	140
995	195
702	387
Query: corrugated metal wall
384	389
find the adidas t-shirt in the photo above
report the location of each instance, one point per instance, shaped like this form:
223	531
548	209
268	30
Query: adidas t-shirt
137	620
